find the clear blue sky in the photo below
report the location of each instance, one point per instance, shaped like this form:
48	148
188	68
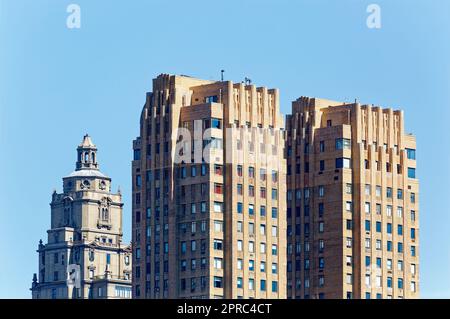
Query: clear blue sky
56	84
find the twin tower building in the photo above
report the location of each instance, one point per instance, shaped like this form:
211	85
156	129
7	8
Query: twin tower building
232	200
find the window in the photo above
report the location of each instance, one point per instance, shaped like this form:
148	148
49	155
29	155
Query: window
389	264
367	243
218	226
388	210
322	165
367	280
389	282
274	176
262	248
413	233
239	282
218	244
399	212
348	206
378	209
378	227
274	231
343	143
389	228
239	208
378	262
274	286
239	264
389	245
274	212
216	123
413	215
321	263
262	211
251	228
263	285
321	209
263	266
218	188
239	245
367	189
251	265
218	207
378	191
413	269
378	244
389	192
349	224
321	191
262	174
217	282
400	230
251	172
251	191
251	284
399	193
322	146
348	188
411	172
274	194
342	162
239	170
263	192
218	169
239	227
239	189
367	208
378	281
400	283
251	246
367	225
251	209
274	250
411	153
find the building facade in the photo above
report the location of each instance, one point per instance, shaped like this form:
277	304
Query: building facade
352	202
84	256
209	211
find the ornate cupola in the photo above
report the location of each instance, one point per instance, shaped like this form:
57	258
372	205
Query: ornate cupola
87	155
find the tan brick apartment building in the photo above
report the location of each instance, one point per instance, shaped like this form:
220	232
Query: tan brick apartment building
341	185
209	221
352	202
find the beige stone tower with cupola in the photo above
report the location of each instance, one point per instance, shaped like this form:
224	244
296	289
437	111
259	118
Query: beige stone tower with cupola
84	256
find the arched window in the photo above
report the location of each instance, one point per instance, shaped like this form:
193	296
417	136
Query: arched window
93	157
86	157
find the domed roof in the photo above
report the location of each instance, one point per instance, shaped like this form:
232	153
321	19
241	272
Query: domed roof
87	173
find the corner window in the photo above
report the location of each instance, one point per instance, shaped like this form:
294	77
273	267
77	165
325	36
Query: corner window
342	162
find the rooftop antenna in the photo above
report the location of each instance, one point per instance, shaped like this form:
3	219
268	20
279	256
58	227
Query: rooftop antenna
221	74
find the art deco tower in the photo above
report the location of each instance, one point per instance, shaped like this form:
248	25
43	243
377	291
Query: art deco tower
209	217
84	256
352	202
